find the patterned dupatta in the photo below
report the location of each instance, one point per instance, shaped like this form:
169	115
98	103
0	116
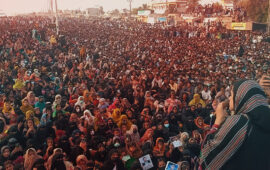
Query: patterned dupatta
251	109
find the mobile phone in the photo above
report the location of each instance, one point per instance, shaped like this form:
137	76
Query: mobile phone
220	99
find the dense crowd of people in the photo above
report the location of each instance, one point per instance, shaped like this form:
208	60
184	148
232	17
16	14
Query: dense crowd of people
216	10
106	92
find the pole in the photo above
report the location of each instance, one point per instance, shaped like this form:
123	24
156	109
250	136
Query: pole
51	10
130	1
56	18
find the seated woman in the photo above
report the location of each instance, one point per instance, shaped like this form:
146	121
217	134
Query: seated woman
116	115
8	109
26	106
196	100
159	149
30	129
31	115
32	99
124	121
240	141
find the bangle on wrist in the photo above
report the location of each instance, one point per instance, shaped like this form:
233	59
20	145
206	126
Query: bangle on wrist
216	126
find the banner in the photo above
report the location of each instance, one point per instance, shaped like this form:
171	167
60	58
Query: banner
238	26
162	19
144	12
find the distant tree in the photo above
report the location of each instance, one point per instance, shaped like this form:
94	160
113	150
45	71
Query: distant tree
143	7
257	10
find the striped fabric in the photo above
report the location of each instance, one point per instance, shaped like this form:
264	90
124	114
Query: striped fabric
220	145
249	96
224	143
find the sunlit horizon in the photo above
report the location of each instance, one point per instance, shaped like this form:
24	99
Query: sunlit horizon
15	7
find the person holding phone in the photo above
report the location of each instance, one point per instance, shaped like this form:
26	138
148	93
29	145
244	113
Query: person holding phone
240	141
265	83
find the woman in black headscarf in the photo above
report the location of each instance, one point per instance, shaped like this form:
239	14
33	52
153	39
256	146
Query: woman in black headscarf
240	141
113	161
58	162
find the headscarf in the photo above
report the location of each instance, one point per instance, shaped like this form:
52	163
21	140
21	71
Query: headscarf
78	159
148	97
156	148
7	109
31	115
4	148
251	99
81	157
80	102
32	99
58	161
19	84
73	99
49	161
30	160
98	121
45	118
102	104
196	132
86	96
40	105
2	158
251	108
196	100
127	123
113	105
24	109
171	103
182	136
199	122
57	100
147	136
125	103
134	136
116	115
87	115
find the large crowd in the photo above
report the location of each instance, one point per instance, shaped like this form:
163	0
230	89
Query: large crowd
215	10
106	92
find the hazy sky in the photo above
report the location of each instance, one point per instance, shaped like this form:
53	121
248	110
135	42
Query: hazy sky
23	6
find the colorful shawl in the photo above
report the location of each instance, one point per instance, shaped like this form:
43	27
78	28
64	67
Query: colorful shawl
251	108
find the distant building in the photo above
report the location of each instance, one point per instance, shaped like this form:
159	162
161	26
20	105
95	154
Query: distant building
171	6
93	12
143	15
2	14
227	4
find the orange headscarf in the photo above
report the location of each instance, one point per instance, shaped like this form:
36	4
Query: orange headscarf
147	135
86	96
121	122
8	109
116	115
158	150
